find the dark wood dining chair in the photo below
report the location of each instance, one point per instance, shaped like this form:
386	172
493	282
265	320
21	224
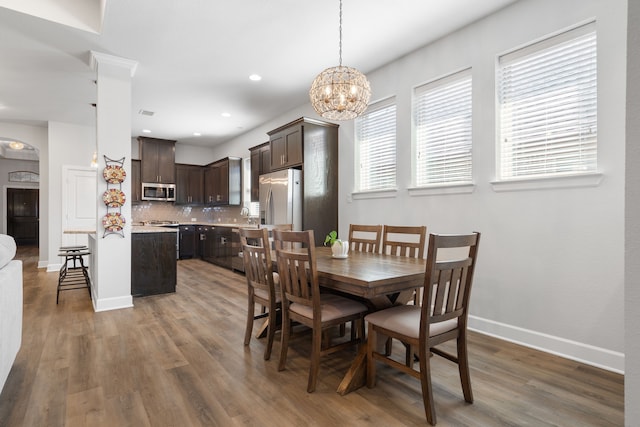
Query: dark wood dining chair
441	317
302	301
365	238
283	227
262	283
406	241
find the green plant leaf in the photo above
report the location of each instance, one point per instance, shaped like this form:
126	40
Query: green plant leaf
331	238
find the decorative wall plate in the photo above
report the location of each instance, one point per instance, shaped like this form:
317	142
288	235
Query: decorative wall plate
113	198
114	174
113	222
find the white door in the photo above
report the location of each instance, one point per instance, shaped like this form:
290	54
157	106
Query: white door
79	203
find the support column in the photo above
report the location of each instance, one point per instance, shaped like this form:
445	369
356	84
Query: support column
112	253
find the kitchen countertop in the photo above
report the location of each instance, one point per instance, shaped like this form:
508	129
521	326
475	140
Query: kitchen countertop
221	224
153	229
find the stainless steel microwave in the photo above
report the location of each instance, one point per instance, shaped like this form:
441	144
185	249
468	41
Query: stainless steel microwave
159	192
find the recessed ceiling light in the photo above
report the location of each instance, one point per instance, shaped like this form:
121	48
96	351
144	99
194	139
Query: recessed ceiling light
197	134
16	145
226	114
255	77
146	131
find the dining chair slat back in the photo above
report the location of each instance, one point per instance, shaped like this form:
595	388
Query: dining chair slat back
404	240
303	302
365	238
283	227
441	317
261	282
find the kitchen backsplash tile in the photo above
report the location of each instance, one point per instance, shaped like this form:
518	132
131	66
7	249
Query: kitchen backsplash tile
162	211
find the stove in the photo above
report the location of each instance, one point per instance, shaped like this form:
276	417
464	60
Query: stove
161	223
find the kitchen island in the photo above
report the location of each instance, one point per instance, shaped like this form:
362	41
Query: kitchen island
153	260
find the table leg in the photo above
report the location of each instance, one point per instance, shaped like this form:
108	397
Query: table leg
262	330
356	376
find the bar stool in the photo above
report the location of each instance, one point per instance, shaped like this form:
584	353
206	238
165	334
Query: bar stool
73	273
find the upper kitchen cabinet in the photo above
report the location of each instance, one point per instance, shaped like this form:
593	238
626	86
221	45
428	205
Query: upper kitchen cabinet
316	143
260	164
136	183
223	182
189	184
286	145
158	160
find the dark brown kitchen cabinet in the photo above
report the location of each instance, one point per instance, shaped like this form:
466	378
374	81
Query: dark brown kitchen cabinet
237	261
153	263
316	144
286	147
260	164
158	160
136	182
189	184
223	182
220	245
187	241
204	241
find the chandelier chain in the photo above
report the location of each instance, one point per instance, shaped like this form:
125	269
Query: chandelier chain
340	33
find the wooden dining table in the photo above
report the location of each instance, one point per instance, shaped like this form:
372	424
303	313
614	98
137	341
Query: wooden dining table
380	280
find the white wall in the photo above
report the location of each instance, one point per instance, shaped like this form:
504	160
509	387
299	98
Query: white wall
69	145
632	223
551	271
36	136
196	155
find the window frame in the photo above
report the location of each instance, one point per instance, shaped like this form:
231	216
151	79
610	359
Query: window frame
590	177
442	84
381	192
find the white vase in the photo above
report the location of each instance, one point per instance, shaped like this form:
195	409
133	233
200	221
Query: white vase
340	249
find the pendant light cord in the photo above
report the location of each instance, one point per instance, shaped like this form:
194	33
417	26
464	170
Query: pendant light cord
340	32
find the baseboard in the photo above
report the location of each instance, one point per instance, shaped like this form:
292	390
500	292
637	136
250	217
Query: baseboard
106	304
43	264
52	268
583	353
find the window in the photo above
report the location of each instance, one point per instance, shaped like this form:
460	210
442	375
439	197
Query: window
442	131
376	147
253	207
548	106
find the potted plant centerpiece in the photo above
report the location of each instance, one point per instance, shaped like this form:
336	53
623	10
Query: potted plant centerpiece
339	248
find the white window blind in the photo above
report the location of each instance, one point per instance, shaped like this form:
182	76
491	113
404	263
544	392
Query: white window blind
442	129
548	107
376	144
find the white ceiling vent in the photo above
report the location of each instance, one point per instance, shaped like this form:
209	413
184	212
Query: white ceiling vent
146	113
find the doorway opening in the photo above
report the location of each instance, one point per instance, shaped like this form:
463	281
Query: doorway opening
23	215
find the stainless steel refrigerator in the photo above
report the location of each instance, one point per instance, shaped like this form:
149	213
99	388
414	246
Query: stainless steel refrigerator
281	198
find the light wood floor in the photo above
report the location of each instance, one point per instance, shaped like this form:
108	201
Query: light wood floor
178	360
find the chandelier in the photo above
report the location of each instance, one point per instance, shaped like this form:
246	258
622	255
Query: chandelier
340	93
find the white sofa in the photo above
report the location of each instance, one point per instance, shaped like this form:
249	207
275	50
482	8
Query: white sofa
10	306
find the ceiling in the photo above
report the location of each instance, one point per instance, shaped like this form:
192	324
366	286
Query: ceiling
195	56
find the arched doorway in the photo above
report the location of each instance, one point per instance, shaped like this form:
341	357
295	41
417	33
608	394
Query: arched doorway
20	182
